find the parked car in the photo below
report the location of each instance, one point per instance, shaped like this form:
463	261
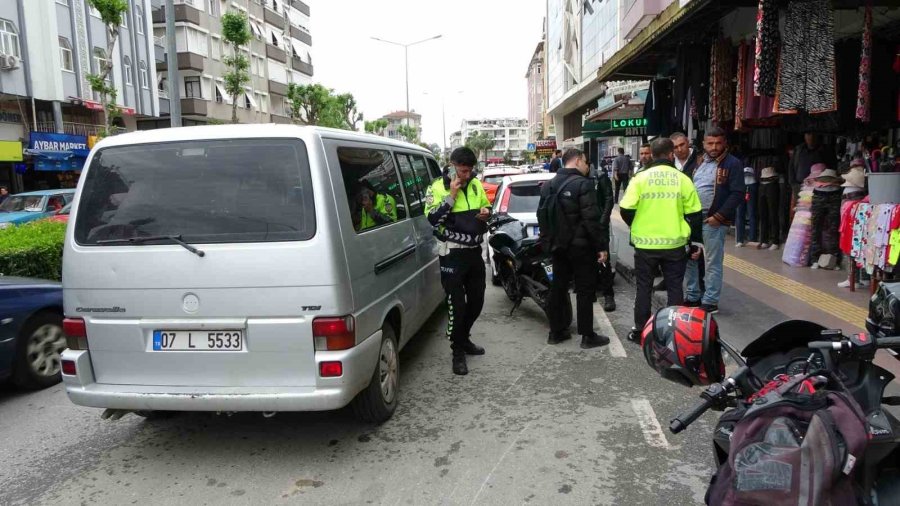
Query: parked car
491	178
31	334
519	196
24	207
62	215
247	268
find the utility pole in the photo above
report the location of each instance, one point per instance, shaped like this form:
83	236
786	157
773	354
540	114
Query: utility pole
172	66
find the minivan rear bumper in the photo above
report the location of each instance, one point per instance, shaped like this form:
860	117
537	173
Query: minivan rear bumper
330	393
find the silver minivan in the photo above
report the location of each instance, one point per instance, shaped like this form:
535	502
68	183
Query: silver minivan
247	268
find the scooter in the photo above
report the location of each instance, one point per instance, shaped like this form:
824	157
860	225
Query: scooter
800	347
524	269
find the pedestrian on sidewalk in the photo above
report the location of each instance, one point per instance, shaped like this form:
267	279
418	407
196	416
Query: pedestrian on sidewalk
4	194
556	163
645	156
663	210
719	181
458	209
605	204
685	157
571	228
769	201
622	168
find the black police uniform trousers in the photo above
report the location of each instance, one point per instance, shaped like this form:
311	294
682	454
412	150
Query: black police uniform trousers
580	264
462	276
673	263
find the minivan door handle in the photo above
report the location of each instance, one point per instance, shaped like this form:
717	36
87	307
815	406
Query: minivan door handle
394	259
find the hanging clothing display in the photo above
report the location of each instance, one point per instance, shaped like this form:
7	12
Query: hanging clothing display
740	89
691	90
765	61
721	98
755	107
874	228
659	108
806	80
865	68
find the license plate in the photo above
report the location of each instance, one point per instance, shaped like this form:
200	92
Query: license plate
536	231
549	270
193	340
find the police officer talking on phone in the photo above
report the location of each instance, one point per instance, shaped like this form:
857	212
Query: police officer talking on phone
458	210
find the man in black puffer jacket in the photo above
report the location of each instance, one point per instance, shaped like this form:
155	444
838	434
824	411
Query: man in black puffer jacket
577	242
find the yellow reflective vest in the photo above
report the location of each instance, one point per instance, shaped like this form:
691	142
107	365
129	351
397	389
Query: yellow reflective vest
455	220
385	211
660	196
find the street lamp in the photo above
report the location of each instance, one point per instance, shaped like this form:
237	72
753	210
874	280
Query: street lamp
406	63
443	120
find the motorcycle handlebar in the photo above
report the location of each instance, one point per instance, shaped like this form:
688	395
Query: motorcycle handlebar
846	345
681	422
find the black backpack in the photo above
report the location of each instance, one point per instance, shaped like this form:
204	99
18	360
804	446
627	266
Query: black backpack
556	231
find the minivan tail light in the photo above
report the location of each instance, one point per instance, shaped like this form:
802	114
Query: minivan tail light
331	369
504	201
69	368
76	333
332	334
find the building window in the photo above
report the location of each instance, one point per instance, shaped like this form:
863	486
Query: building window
139	18
100	60
9	38
198	42
145	83
125	19
163	85
213	8
126	71
65	55
219	98
216	48
192	87
274	39
275	5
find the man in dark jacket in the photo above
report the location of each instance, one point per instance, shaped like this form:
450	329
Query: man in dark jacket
577	242
622	169
556	163
685	157
719	180
605	204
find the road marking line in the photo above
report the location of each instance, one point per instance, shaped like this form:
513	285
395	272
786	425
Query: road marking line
615	344
502	456
646	417
527	367
818	299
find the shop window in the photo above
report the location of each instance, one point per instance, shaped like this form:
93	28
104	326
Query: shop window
372	186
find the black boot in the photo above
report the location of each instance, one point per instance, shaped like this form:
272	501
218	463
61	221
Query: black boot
472	349
459	364
609	303
593	340
558	338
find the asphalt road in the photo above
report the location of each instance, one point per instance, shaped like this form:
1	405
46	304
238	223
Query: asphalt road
531	423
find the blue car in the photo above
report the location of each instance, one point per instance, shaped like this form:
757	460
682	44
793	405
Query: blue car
24	207
31	332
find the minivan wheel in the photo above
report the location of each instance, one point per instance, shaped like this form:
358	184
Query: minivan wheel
379	400
40	343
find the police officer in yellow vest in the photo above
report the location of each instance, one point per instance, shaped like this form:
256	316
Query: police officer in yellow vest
662	208
458	209
375	209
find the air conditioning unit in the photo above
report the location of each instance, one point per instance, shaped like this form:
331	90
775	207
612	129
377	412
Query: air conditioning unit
9	62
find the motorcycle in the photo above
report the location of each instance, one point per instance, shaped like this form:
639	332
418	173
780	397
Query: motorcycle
523	267
799	347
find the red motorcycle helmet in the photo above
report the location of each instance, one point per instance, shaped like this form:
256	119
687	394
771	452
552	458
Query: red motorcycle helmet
682	345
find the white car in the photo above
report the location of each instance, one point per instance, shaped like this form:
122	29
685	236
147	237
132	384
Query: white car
519	196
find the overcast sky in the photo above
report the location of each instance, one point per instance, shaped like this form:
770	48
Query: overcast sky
484	52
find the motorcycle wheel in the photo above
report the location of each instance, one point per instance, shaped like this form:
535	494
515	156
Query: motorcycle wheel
508	282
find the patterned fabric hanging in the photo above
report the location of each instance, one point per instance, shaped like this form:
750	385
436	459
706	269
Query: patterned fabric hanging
863	107
765	72
807	76
739	89
721	93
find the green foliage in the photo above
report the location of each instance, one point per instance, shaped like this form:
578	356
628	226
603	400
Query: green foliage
480	143
409	132
376	127
507	157
33	249
236	32
111	11
314	104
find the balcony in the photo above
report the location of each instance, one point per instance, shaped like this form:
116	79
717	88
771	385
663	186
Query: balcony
301	35
300	6
159	49
70	128
284	120
276	53
637	16
183	13
301	66
272	17
193	106
186	61
277	88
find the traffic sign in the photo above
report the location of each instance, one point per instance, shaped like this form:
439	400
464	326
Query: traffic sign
531	147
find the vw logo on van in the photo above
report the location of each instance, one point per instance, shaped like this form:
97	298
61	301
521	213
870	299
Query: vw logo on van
190	303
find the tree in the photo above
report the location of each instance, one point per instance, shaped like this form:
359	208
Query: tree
480	143
376	127
314	104
409	133
236	32
111	12
347	105
507	157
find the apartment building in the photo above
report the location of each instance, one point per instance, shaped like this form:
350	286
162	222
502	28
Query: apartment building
536	108
280	53
47	50
398	118
510	136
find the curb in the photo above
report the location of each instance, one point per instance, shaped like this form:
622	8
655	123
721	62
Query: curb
627	273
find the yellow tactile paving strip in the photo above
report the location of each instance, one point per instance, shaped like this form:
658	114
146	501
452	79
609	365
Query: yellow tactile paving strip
836	307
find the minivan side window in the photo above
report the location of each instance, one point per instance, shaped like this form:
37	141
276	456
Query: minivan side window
372	186
414	188
434	169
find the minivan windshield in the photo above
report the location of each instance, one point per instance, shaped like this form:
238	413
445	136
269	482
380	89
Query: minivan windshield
210	191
